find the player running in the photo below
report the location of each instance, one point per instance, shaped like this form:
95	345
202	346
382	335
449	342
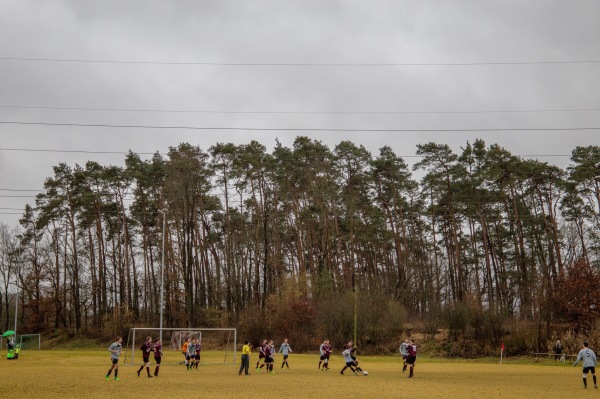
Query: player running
261	355
412	357
158	354
146	348
350	362
285	349
589	363
350	346
115	351
404	352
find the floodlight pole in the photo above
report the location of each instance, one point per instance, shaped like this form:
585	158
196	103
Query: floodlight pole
17	294
162	272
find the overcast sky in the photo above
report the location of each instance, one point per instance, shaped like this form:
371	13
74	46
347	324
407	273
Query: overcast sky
486	35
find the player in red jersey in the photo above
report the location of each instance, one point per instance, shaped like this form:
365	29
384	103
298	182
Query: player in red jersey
198	348
325	350
269	353
158	354
261	355
412	357
146	348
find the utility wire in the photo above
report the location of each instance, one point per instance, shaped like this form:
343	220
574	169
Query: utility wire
299	112
76	151
164	153
294	64
104	125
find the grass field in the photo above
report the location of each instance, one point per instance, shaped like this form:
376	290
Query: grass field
80	374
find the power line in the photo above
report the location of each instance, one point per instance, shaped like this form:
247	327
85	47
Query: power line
104	125
300	112
15	189
294	64
152	153
75	151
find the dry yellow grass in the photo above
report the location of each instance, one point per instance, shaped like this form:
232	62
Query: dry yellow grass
80	374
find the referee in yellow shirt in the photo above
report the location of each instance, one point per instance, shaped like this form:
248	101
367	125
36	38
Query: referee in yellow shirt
245	358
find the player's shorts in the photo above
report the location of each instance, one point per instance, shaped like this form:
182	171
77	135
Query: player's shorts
351	364
411	359
268	359
404	357
188	357
588	369
285	357
197	357
146	359
114	361
157	359
322	357
261	356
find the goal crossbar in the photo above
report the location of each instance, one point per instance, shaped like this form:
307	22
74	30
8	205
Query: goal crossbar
132	333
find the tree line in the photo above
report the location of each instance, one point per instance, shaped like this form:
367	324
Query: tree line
249	230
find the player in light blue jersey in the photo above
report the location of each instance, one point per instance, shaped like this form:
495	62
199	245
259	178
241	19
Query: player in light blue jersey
588	357
285	349
115	351
404	352
350	362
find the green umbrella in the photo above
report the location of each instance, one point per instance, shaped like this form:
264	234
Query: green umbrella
7	333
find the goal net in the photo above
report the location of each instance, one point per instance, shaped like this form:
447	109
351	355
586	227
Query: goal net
30	341
218	344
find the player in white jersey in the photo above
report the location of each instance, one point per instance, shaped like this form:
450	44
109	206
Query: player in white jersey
588	357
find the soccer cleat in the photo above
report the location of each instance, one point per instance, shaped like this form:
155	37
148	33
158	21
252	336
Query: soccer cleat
139	373
341	372
149	376
106	378
117	379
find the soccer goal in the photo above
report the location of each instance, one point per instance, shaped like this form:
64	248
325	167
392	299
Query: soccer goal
30	341
27	341
218	344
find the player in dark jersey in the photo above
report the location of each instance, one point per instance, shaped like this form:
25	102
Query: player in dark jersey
412	357
198	348
261	355
158	354
269	350
324	353
146	348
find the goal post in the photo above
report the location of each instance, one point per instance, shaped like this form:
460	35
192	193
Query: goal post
30	341
219	345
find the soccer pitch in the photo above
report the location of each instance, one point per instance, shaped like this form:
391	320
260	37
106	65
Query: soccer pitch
80	374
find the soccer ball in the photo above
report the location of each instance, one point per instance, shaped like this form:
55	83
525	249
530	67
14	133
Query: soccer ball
365	373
